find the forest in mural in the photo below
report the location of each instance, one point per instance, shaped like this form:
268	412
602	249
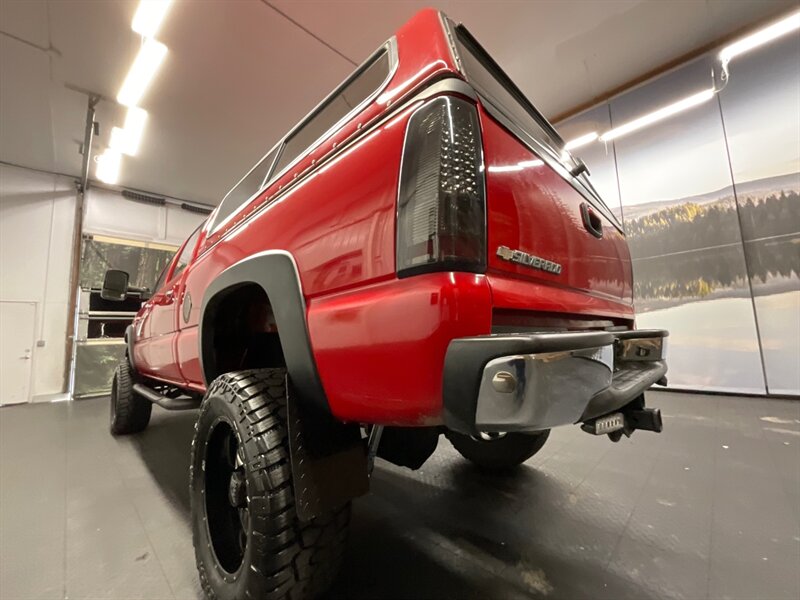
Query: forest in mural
710	202
142	264
686	249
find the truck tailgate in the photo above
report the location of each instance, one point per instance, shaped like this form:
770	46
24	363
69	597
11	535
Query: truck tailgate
543	231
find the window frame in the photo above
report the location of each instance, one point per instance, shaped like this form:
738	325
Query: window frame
389	47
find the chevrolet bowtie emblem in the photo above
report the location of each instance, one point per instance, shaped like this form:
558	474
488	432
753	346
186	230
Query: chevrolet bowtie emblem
528	260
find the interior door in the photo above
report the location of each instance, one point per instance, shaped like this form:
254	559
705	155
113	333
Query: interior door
17	326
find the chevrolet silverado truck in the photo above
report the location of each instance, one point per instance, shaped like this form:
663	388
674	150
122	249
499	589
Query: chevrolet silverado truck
419	256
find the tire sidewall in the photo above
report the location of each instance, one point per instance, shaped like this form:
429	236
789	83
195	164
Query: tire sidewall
121	391
114	399
227	586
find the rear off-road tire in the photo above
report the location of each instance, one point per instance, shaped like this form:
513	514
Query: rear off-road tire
248	540
130	413
501	453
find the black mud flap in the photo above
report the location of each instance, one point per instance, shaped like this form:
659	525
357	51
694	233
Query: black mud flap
329	461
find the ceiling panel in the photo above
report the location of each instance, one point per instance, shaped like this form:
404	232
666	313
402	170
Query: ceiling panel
25	123
233	83
561	53
239	74
25	20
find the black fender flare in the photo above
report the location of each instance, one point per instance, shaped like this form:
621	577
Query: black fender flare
275	271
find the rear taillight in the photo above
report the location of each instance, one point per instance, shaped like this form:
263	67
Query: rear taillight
441	203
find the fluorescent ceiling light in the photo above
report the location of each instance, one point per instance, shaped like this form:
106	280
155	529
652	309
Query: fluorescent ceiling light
144	67
658	115
581	141
760	37
108	166
126	140
149	16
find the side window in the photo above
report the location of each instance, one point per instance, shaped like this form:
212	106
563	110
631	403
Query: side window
245	189
186	253
358	88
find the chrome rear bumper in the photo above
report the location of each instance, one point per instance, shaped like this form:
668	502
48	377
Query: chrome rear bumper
530	382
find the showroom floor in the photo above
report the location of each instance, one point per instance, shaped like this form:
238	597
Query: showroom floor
710	508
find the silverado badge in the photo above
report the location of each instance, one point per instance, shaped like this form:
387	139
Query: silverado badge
529	260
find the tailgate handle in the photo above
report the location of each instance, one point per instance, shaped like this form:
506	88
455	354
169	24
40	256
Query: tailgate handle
591	220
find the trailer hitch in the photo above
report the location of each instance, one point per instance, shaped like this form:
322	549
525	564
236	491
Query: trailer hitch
625	421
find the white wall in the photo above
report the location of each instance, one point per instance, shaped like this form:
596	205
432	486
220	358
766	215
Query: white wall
36	227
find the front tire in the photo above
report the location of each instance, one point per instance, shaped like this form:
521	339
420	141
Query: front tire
130	413
501	453
248	540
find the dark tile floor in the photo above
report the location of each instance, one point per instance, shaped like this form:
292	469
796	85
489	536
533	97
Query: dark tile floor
708	509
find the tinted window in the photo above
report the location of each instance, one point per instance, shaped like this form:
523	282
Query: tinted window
357	89
245	189
490	81
186	253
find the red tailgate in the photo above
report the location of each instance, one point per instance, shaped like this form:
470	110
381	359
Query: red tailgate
534	211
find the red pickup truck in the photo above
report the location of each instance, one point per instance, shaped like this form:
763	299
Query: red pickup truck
419	255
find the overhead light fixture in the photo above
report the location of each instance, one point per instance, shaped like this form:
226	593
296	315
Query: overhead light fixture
581	141
108	166
658	115
149	16
126	139
760	37
144	67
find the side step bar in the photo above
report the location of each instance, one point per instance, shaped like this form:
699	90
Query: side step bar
182	403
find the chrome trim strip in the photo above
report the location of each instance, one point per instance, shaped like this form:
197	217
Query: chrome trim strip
448	34
390	46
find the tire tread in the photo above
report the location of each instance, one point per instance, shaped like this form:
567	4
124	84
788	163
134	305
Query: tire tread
287	565
132	412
